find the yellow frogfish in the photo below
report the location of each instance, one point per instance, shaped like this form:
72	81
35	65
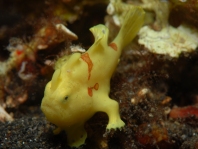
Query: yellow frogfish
80	85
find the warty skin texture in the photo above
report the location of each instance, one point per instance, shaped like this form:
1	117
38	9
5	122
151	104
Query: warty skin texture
80	85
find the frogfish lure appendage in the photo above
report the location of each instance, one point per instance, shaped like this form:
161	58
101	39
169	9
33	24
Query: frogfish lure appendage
80	85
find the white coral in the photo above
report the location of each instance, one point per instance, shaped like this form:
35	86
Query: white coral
169	41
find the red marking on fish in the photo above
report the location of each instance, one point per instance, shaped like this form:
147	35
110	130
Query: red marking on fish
90	93
114	46
96	87
87	59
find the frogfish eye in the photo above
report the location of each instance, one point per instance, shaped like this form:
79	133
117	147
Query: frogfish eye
66	97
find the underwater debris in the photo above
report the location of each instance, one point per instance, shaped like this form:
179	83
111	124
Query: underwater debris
184	112
46	37
22	63
161	10
4	116
152	133
77	48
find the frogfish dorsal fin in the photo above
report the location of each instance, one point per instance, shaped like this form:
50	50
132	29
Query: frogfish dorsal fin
101	34
56	79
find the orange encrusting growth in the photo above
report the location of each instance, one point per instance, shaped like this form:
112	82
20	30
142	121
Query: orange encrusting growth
19	52
87	59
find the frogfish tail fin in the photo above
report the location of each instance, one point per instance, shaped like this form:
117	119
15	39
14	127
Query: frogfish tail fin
133	21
